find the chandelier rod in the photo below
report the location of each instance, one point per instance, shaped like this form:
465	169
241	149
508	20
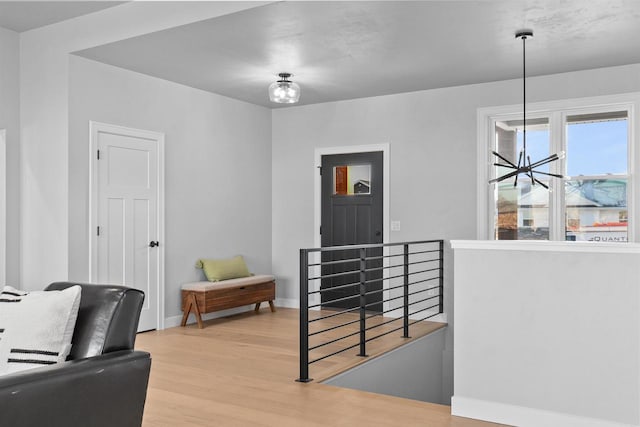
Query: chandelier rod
524	95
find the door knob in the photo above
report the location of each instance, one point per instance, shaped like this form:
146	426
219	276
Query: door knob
153	244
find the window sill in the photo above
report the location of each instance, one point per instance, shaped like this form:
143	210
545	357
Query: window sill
548	246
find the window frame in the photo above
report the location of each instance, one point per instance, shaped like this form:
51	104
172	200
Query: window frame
556	111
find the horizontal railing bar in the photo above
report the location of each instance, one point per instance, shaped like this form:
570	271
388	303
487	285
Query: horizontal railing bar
335	314
424	309
334	327
397	329
342	273
385	333
402	286
333	288
373	269
425	280
383	323
369	317
375	292
386	300
402	296
382	312
426	289
402	275
412	253
425	271
373	258
413	263
424	252
423	319
337	261
426	299
334	340
334	353
382	279
334	300
370	245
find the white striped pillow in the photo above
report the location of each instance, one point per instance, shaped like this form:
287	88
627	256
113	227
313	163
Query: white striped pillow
36	327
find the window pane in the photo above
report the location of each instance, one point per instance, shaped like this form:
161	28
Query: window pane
596	210
352	179
597	144
510	142
522	212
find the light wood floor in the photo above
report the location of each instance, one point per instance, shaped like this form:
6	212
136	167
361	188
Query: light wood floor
240	371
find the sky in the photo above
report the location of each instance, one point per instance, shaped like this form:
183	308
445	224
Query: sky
594	148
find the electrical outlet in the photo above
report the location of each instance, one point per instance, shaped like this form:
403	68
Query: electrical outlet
395	225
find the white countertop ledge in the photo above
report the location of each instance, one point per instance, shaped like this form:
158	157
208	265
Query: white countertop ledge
547	246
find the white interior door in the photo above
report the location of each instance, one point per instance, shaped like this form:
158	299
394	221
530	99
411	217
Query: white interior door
128	247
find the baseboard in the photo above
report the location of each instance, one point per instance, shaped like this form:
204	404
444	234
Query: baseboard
287	302
522	416
174	321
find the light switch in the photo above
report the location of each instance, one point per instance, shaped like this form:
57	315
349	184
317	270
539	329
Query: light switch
395	225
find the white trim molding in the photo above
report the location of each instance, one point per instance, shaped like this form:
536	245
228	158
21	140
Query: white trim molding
523	416
555	110
547	246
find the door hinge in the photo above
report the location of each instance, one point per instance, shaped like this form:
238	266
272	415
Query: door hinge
320	169
98	156
320	229
98	231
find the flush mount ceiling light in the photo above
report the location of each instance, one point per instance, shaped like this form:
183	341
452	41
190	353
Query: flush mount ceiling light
524	166
284	91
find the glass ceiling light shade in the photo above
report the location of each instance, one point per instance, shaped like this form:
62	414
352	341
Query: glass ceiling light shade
284	91
524	166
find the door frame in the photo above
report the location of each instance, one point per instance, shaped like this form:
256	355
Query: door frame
94	129
317	190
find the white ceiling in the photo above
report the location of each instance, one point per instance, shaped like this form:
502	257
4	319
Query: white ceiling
26	15
345	50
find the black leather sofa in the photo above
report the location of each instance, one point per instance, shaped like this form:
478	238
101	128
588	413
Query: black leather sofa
102	383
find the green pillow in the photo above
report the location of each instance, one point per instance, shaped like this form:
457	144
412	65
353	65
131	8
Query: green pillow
223	269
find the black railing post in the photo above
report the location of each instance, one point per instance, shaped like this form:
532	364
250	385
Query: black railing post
405	305
304	317
363	301
441	290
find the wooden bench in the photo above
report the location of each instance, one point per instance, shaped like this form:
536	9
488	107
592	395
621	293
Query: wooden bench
207	297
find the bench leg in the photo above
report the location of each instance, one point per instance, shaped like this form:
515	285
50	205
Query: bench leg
186	310
189	304
257	307
272	307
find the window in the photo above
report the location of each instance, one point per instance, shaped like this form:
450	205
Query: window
350	180
592	202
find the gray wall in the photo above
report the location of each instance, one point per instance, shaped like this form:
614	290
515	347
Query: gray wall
413	371
432	136
10	120
217	168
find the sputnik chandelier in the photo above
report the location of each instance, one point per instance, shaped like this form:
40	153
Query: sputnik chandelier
524	166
